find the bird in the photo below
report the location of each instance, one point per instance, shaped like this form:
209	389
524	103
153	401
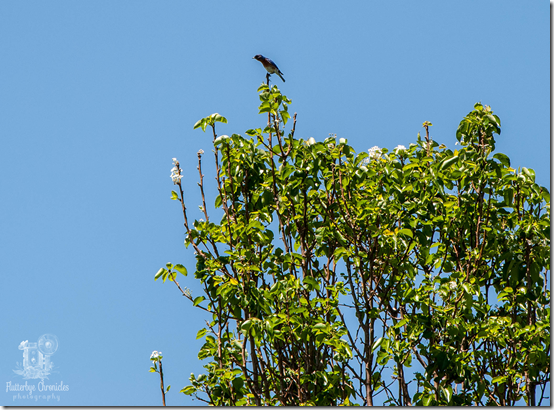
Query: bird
269	65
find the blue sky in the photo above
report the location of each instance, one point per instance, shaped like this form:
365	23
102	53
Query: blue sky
98	96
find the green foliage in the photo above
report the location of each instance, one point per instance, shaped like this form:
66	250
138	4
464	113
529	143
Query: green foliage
210	121
331	270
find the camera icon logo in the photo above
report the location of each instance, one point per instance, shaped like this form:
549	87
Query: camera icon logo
36	357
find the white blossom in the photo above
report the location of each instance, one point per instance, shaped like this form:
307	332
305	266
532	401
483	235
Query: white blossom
374	152
400	148
200	152
155	354
342	141
311	141
452	285
176	178
176	174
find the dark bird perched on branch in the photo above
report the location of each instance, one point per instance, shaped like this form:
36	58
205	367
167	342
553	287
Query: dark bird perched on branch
269	65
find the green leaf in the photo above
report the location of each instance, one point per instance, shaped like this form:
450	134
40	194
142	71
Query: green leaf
189	390
377	343
238	383
198	300
545	194
218	201
221	139
246	325
401	323
447	393
410	166
180	268
529	172
427	400
285	116
503	158
200	123
447	163
406	232
201	333
219	118
311	282
499	379
174	195
160	273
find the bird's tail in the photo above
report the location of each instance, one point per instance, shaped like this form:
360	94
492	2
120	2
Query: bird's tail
280	75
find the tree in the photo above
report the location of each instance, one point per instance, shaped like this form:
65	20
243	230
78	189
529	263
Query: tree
412	276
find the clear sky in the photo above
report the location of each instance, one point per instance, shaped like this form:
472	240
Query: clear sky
96	97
